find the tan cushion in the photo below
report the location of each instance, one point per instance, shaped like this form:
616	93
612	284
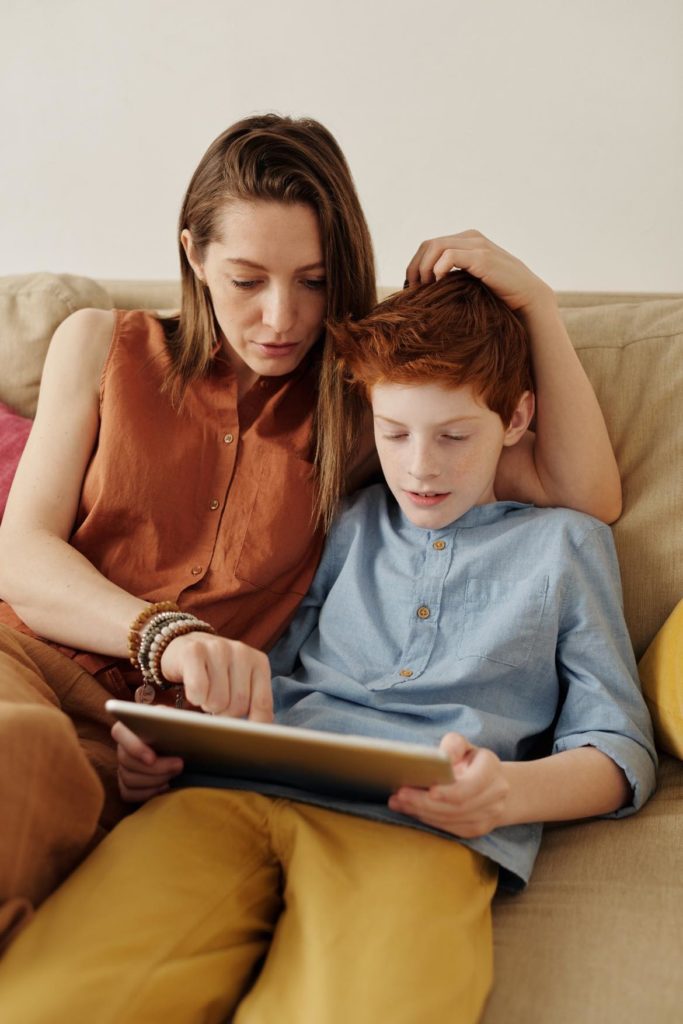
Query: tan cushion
162	295
633	354
597	937
31	308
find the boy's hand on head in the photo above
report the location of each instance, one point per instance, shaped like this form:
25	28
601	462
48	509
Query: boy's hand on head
503	273
472	805
221	676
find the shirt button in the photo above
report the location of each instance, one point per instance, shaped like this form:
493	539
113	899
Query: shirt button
228	439
439	545
406	673
196	570
214	504
423	612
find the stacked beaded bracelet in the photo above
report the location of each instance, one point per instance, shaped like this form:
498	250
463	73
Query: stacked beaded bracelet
138	623
149	636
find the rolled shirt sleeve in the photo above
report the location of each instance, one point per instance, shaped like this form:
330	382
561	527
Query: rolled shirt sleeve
602	705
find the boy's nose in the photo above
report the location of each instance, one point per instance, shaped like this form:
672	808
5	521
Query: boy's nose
423	466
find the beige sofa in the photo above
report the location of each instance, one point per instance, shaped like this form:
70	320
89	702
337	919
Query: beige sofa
598	936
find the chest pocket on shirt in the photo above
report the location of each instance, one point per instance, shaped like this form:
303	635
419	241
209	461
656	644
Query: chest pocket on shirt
502	618
281	548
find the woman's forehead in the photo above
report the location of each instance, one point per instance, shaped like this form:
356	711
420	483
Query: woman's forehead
256	230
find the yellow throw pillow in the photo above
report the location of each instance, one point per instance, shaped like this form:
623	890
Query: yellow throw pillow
661	673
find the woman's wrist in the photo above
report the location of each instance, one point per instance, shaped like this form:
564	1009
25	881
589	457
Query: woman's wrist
543	305
150	633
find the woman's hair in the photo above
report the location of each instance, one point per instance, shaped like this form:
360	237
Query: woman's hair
287	160
455	332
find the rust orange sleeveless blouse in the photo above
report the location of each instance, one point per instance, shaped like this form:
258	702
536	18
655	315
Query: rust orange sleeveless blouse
210	505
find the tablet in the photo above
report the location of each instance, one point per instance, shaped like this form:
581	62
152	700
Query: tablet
354	767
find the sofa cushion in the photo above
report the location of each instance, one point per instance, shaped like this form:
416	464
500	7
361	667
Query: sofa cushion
596	938
633	354
31	308
14	430
661	673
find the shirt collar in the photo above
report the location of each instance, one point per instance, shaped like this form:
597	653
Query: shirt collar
478	515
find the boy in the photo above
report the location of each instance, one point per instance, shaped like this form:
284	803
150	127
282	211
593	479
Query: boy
437	615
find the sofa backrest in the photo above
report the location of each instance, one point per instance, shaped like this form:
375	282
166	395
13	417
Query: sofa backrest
630	345
633	354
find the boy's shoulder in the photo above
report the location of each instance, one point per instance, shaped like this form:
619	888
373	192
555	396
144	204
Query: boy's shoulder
365	499
575	526
361	511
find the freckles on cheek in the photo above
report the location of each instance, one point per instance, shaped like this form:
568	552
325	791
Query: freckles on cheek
468	463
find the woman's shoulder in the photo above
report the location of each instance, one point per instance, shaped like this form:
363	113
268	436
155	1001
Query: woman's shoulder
78	349
93	327
137	337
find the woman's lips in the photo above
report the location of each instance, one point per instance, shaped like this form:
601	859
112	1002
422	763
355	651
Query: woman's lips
276	351
427	500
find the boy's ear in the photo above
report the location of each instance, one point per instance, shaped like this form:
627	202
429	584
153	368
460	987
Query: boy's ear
520	420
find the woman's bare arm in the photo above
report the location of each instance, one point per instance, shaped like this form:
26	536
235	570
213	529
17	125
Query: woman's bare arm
57	591
54	589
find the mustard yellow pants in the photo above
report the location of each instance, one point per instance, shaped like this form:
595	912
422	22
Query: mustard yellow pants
216	905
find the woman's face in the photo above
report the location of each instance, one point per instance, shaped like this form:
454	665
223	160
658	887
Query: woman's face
266	276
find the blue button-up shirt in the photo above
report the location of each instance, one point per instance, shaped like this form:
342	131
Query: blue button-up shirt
505	626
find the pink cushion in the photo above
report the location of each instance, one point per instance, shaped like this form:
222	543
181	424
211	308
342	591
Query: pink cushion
14	430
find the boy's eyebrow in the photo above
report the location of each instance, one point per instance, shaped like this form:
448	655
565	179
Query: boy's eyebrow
445	423
257	266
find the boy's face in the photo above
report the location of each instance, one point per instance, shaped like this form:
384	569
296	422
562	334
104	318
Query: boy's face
439	448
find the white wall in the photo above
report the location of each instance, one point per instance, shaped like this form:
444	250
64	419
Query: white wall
556	127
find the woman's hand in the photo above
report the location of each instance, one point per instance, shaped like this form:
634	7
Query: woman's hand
221	676
472	805
503	273
142	773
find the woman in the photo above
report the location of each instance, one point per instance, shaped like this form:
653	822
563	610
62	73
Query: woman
175	466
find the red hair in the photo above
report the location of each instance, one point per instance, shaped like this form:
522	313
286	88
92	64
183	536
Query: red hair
455	332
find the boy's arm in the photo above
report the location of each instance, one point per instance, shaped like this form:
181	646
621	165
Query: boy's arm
569	461
489	793
580	783
603	706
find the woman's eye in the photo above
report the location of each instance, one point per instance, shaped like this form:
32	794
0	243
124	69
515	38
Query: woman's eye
395	437
315	283
243	284
455	437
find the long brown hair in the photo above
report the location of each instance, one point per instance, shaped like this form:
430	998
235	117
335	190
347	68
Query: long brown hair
288	160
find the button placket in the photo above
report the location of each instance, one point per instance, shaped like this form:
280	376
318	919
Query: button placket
428	592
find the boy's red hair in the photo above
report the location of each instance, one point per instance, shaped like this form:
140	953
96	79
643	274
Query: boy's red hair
455	332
